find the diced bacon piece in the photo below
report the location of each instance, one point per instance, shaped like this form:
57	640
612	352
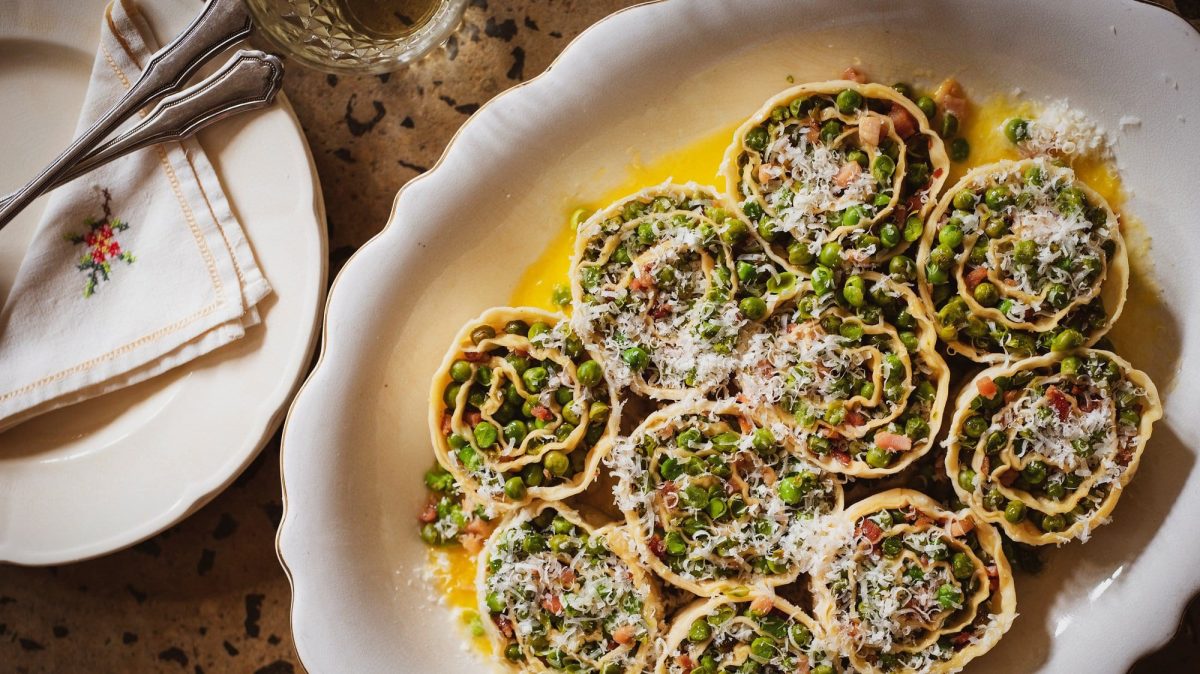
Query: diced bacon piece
902	120
846	175
764	173
474	356
854	75
842	456
552	603
961	639
471	543
768	475
762	604
474	417
951	98
744	424
567	577
870	130
660	311
961	527
1011	396
504	625
1007	477
686	663
871	531
854	419
986	387
985	468
624	634
975	277
656	546
429	514
480	527
1059	401
923	521
993	577
893	442
543	413
802	665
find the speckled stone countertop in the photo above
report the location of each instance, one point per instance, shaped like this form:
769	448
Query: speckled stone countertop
208	595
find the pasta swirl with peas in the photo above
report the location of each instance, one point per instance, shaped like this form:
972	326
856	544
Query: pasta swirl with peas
912	587
559	595
1021	258
663	280
519	411
838	167
1045	446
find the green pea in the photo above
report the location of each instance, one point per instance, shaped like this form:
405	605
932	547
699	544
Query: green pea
852	331
450	397
556	462
1016	130
1053	523
883	169
986	294
495	602
753	308
855	291
485	434
514	488
699	631
927	106
1014	512
858	157
763	440
1034	473
790	490
460	371
1034	176
960	150
962	566
949	125
966	479
889	235
942	256
830	130
599	411
848	101
878	457
964	200
1066	340
822	279
995	228
757	139
535	378
892	546
481	333
515	432
821	669
831	254
675	543
717	507
998	197
1070	365
752	210
799	253
902	268
904	89
949	596
763	648
589	373
975	426
533	543
951	235
1025	251
516	327
913	227
636	358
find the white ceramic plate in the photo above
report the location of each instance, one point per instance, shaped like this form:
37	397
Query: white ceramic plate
98	476
656	78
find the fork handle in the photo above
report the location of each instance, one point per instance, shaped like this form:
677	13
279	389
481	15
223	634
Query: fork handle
222	23
249	81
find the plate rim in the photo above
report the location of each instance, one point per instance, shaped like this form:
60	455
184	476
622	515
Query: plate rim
320	369
195	494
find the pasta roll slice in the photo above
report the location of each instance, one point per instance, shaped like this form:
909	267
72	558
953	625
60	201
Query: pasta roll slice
1022	258
912	587
838	167
756	632
1045	446
717	497
854	370
662	282
518	410
559	595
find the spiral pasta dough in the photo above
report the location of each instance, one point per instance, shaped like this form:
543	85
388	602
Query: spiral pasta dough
836	163
1021	258
716	497
1044	447
519	411
913	587
559	595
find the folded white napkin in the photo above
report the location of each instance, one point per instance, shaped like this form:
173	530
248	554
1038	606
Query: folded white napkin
135	268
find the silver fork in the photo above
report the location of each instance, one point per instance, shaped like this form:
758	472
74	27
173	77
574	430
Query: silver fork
248	81
219	25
